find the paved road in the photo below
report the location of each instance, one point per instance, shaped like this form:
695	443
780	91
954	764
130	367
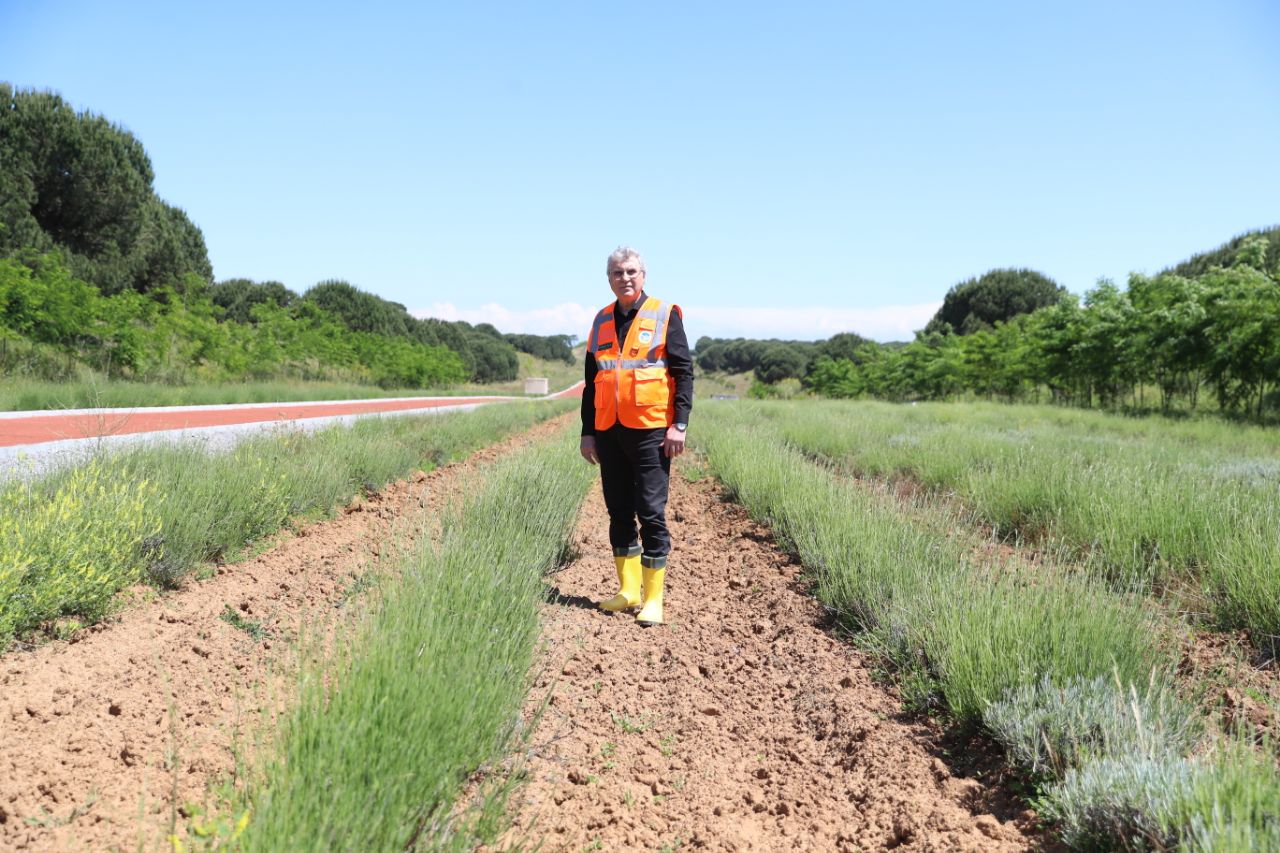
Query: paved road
32	443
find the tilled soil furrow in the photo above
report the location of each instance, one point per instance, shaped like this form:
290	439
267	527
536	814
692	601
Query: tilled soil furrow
740	725
104	737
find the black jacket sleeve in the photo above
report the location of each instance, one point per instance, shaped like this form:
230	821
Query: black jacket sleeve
680	366
589	397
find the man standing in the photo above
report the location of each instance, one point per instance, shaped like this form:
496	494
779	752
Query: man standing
635	409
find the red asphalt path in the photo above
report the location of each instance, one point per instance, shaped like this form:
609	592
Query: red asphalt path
41	428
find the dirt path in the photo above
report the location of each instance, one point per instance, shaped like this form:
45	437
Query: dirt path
103	737
741	725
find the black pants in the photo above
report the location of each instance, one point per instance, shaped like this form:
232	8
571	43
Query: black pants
635	475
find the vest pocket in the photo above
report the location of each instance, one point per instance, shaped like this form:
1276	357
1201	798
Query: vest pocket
651	386
604	389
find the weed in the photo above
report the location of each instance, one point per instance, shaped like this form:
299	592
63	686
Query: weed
48	820
360	584
251	627
628	724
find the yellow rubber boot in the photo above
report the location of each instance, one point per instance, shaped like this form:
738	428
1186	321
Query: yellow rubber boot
651	613
628	597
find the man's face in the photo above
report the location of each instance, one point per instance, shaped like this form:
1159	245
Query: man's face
626	279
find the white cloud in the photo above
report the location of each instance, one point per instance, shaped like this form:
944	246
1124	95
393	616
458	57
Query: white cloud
885	323
567	318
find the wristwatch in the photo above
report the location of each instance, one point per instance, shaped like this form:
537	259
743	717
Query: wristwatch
681	427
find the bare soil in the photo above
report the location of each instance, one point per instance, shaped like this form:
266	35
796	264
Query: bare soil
104	738
742	724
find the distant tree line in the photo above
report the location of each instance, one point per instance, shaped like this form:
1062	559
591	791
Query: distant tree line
178	337
772	360
1209	324
94	264
549	347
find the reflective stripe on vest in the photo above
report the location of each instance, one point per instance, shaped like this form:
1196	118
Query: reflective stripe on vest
632	384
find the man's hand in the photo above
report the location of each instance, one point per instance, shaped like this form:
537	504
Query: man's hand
673	444
587	447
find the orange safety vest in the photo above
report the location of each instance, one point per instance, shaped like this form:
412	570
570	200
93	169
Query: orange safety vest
632	385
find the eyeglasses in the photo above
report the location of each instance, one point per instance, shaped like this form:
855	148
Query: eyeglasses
630	272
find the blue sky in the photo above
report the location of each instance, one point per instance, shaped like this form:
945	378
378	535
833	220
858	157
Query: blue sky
788	170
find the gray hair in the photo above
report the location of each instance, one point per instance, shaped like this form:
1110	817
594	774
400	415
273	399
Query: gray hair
619	256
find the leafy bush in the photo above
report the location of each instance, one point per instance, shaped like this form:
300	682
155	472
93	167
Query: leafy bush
68	545
1127	803
1047	729
1227	805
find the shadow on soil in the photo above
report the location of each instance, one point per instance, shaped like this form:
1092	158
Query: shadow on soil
554	596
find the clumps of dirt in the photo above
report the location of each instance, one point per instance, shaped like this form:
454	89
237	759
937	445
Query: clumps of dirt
103	739
1238	689
740	725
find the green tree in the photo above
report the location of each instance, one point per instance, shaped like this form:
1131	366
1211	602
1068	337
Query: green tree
1173	320
1226	254
780	361
41	301
237	296
1108	352
995	296
76	182
1243	330
360	311
839	378
549	347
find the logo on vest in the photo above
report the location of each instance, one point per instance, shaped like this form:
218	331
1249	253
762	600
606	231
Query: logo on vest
645	336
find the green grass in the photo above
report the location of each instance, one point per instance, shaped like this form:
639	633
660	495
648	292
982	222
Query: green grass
1147	502
70	541
382	740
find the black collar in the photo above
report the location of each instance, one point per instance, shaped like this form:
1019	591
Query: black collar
635	306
